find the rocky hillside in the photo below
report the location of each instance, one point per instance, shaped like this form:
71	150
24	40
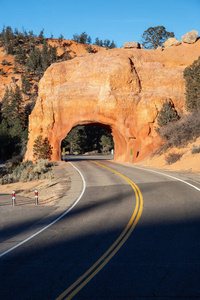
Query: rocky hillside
10	72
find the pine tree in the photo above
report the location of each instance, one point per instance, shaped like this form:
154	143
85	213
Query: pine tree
192	78
76	38
10	48
41	36
45	56
2	36
89	40
112	45
17	105
53	54
25	35
155	36
17	129
31	40
20	55
4	140
18	37
60	39
83	37
98	42
47	149
8	40
4	130
106	143
6	109
41	148
83	139
34	62
76	140
25	84
106	44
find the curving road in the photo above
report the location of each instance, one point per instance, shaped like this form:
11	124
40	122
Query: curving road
134	234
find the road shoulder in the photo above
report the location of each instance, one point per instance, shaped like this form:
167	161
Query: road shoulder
21	222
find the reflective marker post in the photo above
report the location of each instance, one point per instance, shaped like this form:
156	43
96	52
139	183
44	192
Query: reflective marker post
36	197
13	198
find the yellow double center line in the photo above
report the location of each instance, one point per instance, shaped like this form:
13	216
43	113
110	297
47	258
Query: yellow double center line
106	257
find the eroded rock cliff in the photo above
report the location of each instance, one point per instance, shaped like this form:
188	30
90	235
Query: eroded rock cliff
122	89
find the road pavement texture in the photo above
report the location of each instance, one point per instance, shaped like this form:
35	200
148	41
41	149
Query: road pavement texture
159	260
24	219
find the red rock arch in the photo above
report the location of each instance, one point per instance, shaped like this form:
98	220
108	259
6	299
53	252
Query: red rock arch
120	88
120	141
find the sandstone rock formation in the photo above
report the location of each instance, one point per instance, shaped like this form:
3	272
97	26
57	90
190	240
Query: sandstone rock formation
120	90
190	37
132	45
171	42
66	46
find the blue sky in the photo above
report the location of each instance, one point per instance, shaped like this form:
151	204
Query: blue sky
118	20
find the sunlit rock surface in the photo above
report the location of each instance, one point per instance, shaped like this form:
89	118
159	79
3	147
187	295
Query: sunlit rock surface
120	89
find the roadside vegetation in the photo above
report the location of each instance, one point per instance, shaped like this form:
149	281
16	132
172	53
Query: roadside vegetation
15	171
172	157
178	131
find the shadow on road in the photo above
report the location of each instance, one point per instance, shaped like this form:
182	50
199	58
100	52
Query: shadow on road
158	260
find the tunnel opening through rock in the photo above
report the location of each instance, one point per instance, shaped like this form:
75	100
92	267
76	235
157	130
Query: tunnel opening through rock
119	139
92	138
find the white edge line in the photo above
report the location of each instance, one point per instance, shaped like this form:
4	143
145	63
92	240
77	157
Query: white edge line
53	222
178	179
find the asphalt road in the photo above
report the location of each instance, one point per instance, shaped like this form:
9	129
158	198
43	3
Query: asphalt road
117	242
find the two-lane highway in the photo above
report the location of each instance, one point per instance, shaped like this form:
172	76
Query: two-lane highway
134	234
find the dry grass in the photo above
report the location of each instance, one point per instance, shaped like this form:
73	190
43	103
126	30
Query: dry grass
48	192
188	162
173	157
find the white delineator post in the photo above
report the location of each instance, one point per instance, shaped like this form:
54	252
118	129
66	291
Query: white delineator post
13	198
36	197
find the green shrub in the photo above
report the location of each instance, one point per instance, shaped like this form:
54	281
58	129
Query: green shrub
32	176
5	63
180	133
27	171
2	72
42	166
167	114
7	179
192	78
